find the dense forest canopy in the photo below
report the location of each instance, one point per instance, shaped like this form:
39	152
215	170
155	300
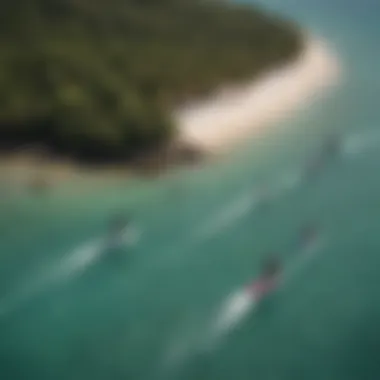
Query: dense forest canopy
98	78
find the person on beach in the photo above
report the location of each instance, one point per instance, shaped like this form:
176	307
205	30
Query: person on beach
268	279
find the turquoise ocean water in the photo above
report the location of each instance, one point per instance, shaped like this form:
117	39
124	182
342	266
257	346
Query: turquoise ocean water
69	311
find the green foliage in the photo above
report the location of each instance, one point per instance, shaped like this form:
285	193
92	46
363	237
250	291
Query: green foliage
97	78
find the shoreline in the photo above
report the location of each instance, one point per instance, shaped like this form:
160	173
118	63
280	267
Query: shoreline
211	126
234	114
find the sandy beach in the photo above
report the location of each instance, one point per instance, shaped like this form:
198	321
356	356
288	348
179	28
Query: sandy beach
230	116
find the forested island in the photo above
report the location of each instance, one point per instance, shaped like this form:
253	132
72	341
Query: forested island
96	80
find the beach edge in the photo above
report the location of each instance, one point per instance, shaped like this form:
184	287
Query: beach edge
231	115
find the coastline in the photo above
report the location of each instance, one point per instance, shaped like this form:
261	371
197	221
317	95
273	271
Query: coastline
231	115
210	126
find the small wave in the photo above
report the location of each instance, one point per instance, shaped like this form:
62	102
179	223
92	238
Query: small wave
178	352
304	258
229	215
77	261
247	202
9	304
132	236
288	181
360	142
185	342
73	263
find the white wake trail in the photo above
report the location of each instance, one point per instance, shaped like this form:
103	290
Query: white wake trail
233	311
73	263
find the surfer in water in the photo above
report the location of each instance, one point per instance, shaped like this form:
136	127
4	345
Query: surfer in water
268	279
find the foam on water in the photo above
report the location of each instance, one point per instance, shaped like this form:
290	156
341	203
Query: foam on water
237	306
85	255
79	259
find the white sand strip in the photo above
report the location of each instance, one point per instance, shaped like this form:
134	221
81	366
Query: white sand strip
229	116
